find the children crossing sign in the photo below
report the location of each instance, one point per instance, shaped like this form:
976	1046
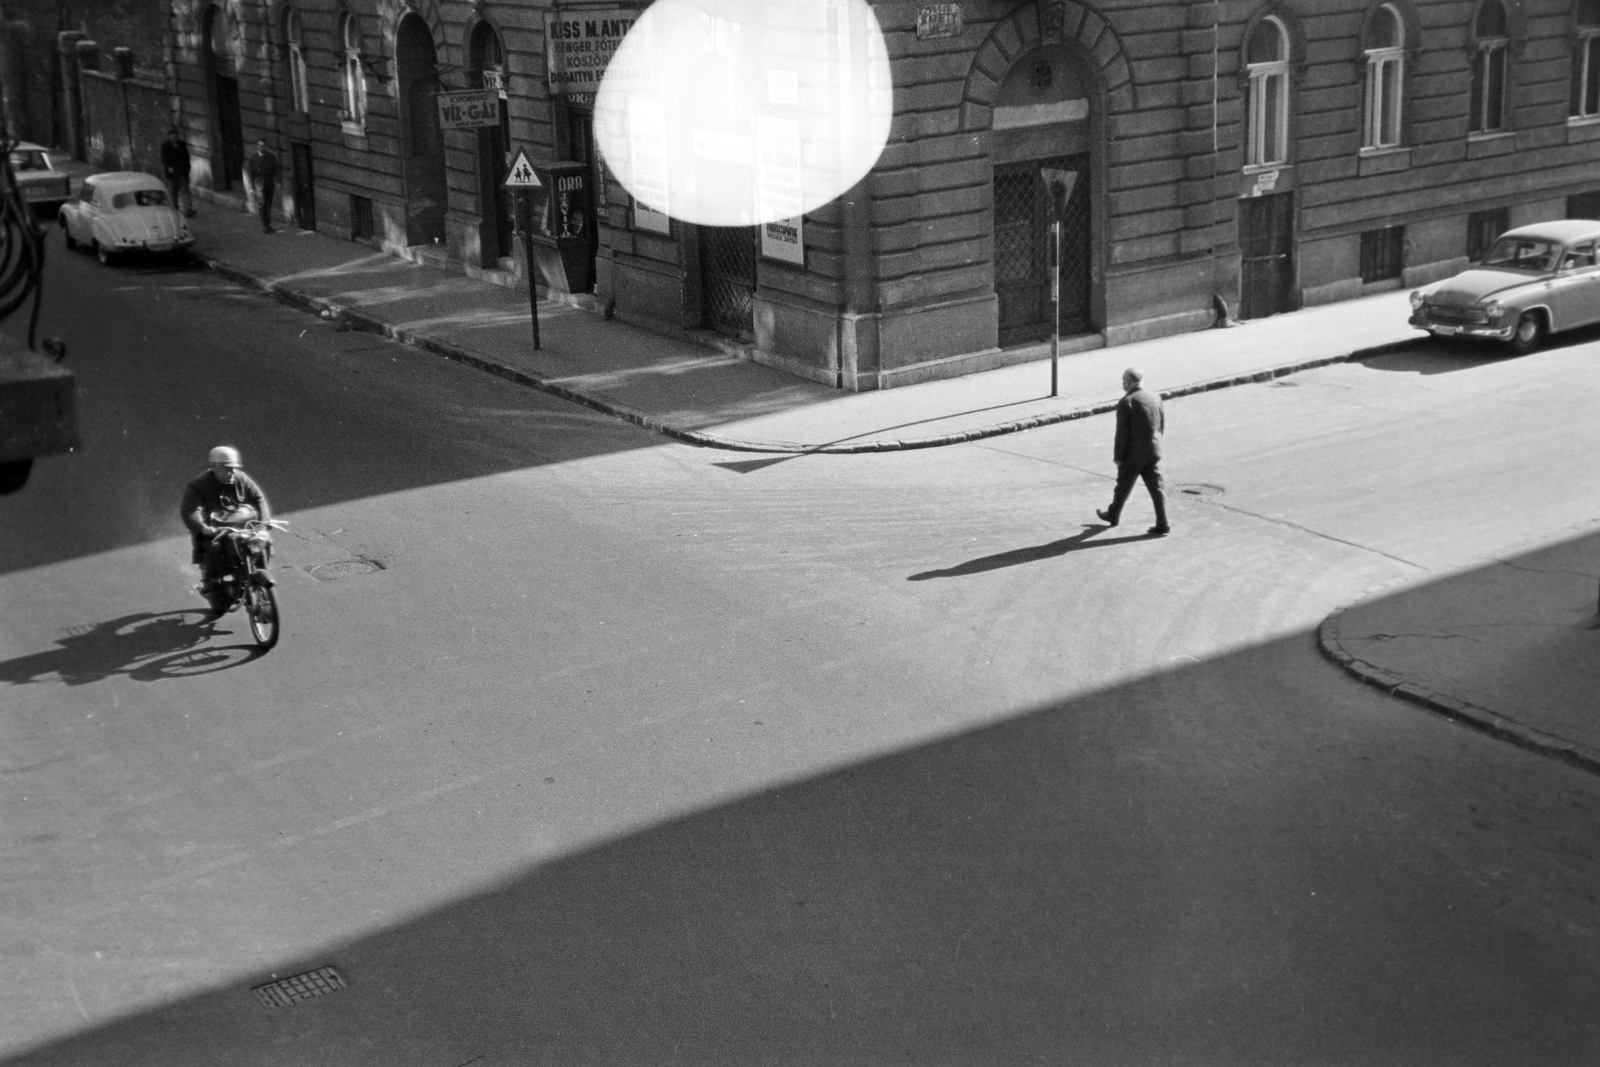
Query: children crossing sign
522	175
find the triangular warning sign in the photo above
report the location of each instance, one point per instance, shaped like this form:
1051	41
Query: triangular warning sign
522	175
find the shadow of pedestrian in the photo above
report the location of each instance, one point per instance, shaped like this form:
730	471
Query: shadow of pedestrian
146	646
1031	554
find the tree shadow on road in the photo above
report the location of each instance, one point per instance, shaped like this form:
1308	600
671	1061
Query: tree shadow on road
1032	554
145	646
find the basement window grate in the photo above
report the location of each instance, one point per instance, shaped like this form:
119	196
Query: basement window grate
298	987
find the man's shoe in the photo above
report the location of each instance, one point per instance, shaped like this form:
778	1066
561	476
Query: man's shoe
1106	517
1160	531
268	229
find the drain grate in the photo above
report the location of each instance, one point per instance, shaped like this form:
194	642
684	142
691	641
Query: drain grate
298	987
1198	489
344	568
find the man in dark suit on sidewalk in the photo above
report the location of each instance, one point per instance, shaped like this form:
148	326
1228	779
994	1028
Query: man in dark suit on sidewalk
1140	423
262	169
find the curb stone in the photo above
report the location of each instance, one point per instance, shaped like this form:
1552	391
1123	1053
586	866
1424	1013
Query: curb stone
606	406
1455	709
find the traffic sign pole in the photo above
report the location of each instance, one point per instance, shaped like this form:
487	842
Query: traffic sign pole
524	180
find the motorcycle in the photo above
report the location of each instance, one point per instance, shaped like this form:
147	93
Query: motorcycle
243	579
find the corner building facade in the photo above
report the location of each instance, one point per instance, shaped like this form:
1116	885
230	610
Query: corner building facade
1239	157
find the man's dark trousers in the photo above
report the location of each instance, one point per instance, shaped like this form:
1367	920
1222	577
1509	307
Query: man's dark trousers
1127	474
268	187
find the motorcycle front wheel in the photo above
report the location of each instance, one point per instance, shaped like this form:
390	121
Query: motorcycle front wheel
262	607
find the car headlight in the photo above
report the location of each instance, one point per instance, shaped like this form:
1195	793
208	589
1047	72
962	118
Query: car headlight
1416	299
1494	309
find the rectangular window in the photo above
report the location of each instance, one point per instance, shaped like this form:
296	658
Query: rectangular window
298	85
1586	77
1584	205
1487	111
361	226
1483	228
1383	99
1382	253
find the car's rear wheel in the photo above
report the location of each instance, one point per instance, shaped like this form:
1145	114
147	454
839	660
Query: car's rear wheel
66	232
1529	332
104	254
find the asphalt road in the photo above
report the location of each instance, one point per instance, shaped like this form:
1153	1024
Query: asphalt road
583	747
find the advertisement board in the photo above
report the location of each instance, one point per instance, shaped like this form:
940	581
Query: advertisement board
579	45
468	109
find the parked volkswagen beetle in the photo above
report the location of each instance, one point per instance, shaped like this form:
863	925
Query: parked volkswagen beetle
1536	280
43	187
124	211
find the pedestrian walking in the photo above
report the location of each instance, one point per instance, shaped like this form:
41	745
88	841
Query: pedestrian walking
175	163
1137	452
262	170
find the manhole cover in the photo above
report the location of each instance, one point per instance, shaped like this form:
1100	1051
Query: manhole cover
1198	489
344	568
298	987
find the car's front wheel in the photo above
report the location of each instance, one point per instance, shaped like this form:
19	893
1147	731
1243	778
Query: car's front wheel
1529	332
66	232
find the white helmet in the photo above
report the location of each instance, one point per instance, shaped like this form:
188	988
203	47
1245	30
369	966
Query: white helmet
225	454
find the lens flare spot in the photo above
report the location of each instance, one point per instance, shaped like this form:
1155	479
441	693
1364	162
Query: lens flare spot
741	112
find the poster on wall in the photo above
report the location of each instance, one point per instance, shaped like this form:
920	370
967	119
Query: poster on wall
579	45
778	190
647	147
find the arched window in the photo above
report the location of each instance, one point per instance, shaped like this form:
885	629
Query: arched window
1586	62
1487	109
294	35
1267	64
1385	40
355	82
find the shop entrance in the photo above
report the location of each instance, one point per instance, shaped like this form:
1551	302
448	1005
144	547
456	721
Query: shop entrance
497	204
422	142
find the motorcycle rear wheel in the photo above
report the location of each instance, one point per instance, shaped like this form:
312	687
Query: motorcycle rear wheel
262	607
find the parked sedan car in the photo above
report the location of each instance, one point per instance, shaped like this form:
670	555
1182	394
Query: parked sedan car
124	211
1536	280
43	187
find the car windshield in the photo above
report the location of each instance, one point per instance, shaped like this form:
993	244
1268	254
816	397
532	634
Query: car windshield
140	198
29	161
1523	253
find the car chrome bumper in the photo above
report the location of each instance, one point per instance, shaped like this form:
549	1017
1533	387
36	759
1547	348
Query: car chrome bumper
1463	329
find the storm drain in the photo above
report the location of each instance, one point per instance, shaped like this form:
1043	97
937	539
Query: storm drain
344	568
1198	489
298	987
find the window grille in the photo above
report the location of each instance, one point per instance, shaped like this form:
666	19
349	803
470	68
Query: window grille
1584	205
1483	228
361	225
1382	253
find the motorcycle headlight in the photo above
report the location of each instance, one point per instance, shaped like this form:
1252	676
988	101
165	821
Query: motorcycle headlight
1416	300
1494	309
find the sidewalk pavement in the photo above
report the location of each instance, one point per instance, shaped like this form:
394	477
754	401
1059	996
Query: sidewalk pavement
1510	648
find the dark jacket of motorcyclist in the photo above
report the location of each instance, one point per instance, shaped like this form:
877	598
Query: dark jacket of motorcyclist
222	488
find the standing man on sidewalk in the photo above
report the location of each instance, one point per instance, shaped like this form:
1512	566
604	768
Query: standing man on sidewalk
1140	423
262	169
175	162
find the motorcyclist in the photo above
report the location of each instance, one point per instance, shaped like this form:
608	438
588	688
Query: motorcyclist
223	488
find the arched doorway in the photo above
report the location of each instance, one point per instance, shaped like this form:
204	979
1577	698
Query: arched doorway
497	207
1043	122
421	140
217	63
